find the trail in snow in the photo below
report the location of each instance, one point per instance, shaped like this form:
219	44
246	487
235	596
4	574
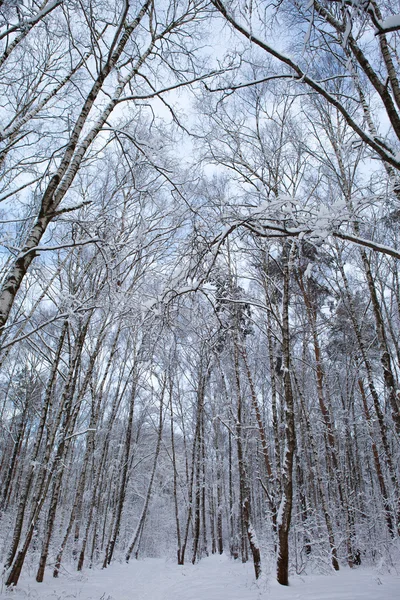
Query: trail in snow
214	578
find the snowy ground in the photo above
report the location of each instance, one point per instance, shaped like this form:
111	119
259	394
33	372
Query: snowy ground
214	578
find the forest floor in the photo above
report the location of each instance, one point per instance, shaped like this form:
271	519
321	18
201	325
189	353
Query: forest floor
214	578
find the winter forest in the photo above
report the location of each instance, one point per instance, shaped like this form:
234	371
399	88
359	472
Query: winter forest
199	301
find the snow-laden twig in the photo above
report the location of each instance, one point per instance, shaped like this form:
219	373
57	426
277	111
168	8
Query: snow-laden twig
80	433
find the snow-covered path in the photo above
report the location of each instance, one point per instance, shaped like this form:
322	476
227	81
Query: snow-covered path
215	578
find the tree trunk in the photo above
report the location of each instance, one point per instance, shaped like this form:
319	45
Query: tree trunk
285	509
247	529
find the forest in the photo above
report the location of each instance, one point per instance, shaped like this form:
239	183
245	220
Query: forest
199	297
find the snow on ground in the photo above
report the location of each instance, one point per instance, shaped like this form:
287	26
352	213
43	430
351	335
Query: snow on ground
214	578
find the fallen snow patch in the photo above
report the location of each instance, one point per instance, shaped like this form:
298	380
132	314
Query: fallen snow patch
213	578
